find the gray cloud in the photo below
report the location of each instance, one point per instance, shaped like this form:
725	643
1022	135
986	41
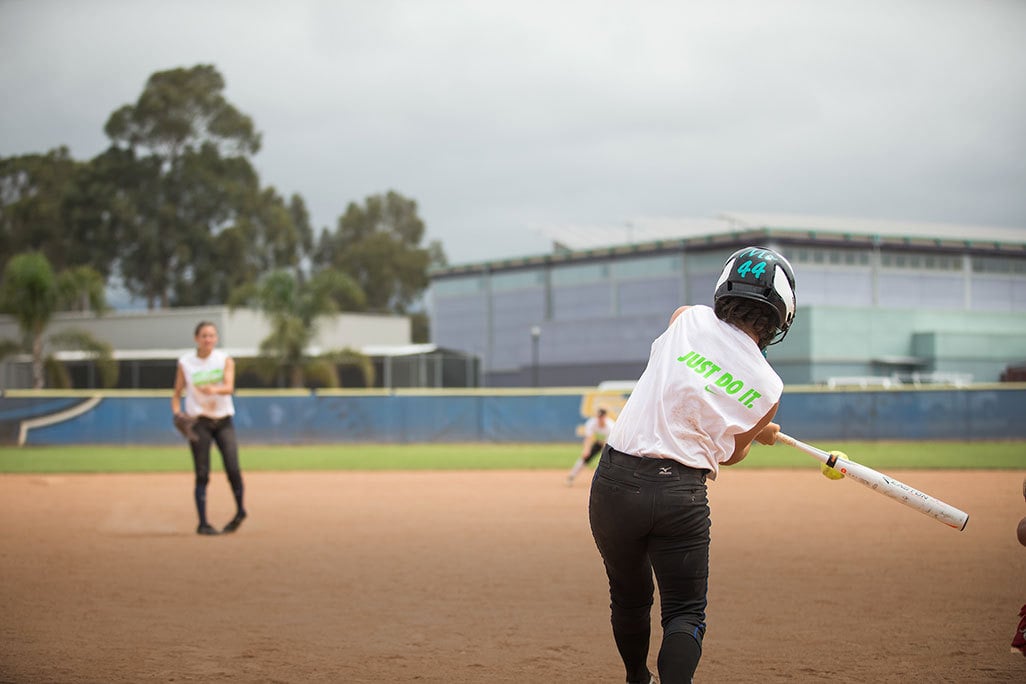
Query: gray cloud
503	118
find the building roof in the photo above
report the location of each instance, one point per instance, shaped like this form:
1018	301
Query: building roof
568	237
876	227
572	242
583	237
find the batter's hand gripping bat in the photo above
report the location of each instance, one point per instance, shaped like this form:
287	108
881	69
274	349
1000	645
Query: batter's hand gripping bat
884	484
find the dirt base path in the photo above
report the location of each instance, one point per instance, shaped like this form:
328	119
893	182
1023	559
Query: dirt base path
492	577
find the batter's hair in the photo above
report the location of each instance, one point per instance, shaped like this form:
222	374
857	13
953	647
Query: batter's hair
201	325
749	315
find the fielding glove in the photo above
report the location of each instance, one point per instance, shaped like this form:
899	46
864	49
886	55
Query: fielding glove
184	424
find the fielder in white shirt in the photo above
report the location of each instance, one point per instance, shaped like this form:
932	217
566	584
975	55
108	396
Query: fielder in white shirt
207	379
596	432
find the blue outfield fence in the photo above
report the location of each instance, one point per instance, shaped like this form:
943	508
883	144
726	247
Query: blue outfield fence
993	412
956	415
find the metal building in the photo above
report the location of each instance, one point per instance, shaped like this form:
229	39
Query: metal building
879	302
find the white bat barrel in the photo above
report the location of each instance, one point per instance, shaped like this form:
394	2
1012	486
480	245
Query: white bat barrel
886	485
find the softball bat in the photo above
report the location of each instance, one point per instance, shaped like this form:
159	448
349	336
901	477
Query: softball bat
884	484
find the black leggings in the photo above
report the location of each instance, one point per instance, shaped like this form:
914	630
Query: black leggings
596	449
222	432
652	515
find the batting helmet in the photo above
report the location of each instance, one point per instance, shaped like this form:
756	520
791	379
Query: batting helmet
763	275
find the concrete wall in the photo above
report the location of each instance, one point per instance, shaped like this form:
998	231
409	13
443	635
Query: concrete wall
838	341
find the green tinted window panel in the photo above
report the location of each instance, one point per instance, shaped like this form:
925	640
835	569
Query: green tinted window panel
646	267
579	274
517	280
999	265
458	286
920	261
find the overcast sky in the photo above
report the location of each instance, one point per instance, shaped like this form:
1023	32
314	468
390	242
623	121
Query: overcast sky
503	118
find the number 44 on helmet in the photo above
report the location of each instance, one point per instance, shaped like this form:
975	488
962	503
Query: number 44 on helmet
763	275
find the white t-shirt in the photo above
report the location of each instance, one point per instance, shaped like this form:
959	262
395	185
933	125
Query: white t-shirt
206	371
706	381
600	433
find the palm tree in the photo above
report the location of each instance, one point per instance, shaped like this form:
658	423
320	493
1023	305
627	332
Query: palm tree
31	293
293	306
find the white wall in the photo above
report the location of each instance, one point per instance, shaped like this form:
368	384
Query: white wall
355	330
240	331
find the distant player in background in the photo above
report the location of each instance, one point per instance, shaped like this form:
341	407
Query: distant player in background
596	431
207	379
706	394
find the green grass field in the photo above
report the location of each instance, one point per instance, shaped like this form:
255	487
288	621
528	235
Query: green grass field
124	459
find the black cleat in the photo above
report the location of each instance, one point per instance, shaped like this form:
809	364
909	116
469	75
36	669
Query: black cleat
234	524
206	528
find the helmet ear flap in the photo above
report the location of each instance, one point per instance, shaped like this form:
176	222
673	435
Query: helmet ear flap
724	275
783	284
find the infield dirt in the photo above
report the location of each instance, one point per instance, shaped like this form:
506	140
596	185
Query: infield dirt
492	577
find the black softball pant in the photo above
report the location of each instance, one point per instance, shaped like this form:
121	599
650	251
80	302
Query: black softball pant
220	431
596	449
653	515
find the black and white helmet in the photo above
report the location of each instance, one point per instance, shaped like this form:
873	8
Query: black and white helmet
763	275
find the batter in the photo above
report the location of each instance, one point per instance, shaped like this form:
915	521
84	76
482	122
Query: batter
706	394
